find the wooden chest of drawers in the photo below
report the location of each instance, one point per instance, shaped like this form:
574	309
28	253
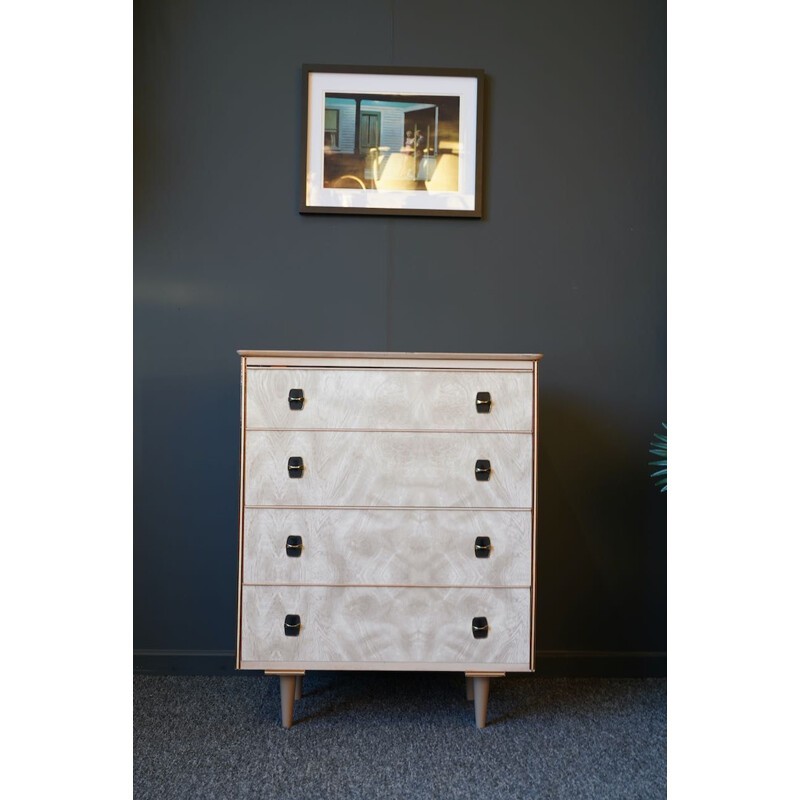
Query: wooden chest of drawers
387	515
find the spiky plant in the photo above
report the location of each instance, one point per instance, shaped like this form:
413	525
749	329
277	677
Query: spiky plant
659	448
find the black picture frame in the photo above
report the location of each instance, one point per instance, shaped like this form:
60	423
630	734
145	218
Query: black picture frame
396	141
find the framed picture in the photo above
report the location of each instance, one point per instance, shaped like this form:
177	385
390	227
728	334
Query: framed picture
391	140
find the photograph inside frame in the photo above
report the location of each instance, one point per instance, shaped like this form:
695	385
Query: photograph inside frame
392	142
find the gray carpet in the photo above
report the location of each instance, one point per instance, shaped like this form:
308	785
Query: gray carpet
399	735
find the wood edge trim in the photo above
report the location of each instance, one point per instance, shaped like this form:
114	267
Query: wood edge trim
383	666
534	508
242	445
485	674
263	364
294	672
399	356
408	365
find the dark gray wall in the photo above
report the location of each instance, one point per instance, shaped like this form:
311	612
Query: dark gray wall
569	261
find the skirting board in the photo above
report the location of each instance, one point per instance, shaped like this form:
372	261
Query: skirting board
549	663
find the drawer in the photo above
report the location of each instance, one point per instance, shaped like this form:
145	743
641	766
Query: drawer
388	469
363	625
389	399
413	547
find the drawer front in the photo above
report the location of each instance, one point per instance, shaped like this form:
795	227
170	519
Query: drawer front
411	547
389	399
384	624
388	469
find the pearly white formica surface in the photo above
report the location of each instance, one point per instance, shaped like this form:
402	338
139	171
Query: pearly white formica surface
385	624
415	547
389	399
376	468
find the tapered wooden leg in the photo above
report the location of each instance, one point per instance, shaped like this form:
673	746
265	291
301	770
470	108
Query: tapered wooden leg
481	692
470	692
298	688
288	683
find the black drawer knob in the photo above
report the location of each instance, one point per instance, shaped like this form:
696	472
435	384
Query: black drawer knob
483	402
483	546
296	399
296	467
480	627
294	546
483	469
291	625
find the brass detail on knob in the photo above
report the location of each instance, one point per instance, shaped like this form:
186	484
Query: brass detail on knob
296	467
294	546
483	546
296	399
480	627
291	625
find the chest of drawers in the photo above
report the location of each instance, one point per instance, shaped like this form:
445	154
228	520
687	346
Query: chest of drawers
387	515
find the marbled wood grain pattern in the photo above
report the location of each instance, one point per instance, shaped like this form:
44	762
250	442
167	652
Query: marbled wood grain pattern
388	469
360	624
387	546
393	399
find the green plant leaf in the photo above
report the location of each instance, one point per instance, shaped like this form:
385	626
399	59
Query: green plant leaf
658	447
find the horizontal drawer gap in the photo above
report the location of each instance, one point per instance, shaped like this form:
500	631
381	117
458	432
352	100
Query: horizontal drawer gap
385	430
527	509
395	585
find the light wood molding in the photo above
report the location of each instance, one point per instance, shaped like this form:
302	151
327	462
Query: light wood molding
360	624
384	399
534	509
388	469
382	666
386	363
336	356
416	547
243	428
484	674
284	672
